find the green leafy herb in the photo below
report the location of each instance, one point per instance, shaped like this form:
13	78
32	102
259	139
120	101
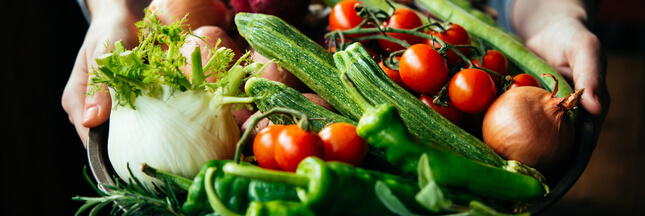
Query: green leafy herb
133	198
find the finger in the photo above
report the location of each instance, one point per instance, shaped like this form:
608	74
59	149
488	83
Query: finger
273	72
588	73
209	35
97	108
73	99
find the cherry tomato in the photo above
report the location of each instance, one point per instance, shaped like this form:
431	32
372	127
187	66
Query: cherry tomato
423	69
449	112
524	80
455	35
394	74
263	146
472	90
343	16
343	144
402	18
295	144
495	61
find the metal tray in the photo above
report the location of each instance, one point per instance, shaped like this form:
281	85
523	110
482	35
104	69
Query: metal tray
585	140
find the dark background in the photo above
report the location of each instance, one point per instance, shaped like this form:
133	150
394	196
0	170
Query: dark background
42	158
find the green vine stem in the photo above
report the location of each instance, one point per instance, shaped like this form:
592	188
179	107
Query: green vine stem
300	118
266	175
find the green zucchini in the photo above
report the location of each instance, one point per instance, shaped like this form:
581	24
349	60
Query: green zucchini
503	41
420	119
311	63
272	94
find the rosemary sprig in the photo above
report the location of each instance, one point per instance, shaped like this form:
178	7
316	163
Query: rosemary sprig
133	198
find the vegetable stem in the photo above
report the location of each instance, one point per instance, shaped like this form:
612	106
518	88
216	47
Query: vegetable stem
213	200
197	72
356	95
266	175
179	181
299	117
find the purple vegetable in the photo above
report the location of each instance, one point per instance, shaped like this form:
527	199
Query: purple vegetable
291	11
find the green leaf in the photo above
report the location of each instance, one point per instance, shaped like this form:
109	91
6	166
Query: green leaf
430	195
391	202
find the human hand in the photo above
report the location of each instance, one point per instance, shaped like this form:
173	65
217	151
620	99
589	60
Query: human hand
557	33
109	24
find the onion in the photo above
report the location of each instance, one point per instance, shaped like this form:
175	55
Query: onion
532	126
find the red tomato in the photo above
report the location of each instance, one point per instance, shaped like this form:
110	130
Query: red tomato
295	144
423	69
495	61
263	146
343	144
455	35
394	75
449	112
402	18
524	80
472	90
343	16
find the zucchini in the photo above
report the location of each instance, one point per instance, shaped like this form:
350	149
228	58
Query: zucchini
420	119
272	94
311	63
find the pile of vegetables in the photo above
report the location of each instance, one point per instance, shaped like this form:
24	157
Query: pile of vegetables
416	117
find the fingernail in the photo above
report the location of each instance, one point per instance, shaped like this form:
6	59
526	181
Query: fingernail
91	113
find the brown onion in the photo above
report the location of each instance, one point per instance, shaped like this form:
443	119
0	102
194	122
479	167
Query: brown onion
532	126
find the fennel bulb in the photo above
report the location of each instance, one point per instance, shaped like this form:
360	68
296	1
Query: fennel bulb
162	117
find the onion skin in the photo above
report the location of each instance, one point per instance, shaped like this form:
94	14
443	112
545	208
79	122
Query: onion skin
528	124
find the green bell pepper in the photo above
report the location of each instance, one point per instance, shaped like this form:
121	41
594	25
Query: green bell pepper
332	188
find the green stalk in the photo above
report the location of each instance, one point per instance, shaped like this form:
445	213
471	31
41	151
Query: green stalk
197	72
179	181
214	201
299	117
266	175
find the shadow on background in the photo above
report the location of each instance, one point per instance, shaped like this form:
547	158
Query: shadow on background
41	157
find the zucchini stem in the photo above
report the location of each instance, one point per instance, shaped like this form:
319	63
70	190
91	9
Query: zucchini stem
356	94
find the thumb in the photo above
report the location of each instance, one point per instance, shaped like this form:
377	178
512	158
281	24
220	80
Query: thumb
97	108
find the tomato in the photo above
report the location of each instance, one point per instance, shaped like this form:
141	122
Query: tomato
449	112
454	35
423	69
495	61
394	75
263	146
472	90
402	18
343	16
343	144
524	80
295	144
